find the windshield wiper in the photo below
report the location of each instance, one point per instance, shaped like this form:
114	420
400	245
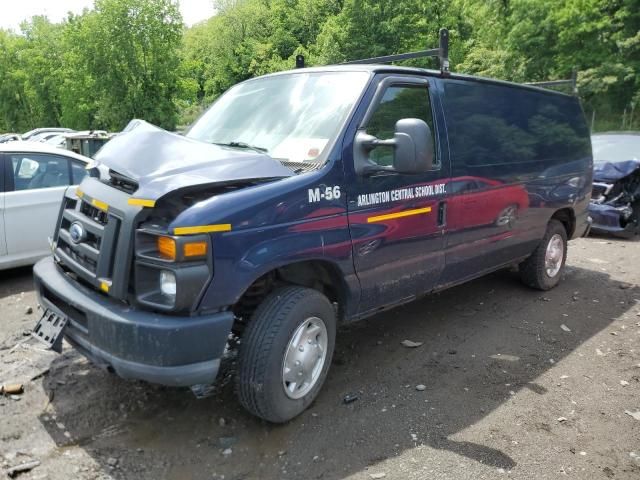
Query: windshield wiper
242	145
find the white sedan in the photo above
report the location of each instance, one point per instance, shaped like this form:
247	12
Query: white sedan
33	178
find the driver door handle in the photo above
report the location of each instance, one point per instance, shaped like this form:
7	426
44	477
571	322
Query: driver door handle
442	213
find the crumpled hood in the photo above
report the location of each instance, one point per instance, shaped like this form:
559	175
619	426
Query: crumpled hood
161	162
614	171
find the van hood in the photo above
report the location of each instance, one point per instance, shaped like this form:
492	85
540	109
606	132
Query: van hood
161	162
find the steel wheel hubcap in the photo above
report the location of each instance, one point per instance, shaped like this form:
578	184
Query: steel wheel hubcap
304	358
554	255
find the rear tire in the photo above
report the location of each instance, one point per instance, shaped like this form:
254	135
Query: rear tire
543	269
291	333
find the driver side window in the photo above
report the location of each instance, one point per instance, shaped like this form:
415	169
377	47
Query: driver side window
398	102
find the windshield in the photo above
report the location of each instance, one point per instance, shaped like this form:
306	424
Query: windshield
293	117
615	148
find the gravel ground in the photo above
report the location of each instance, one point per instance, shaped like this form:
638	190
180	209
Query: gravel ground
517	383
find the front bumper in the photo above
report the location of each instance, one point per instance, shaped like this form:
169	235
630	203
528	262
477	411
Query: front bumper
136	344
609	219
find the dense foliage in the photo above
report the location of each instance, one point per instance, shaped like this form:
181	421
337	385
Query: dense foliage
133	58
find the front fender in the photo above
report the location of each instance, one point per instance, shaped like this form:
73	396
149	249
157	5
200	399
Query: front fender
241	257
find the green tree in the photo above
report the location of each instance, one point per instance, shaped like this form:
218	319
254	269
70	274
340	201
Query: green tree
131	57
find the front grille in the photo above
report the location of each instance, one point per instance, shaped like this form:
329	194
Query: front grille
91	255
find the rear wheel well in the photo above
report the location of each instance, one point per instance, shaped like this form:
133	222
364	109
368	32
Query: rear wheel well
317	274
567	217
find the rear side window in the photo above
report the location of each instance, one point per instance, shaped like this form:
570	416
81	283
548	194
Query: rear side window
491	125
32	171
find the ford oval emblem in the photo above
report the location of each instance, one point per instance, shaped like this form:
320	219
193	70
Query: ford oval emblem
77	233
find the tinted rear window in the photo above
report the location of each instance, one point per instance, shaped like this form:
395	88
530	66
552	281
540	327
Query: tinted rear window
492	125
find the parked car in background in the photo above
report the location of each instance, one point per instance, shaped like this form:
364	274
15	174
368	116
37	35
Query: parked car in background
33	178
10	137
615	199
58	141
44	136
37	131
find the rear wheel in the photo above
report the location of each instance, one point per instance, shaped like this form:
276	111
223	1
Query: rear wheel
543	269
285	353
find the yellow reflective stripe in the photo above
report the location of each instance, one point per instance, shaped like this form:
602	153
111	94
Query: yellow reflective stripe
104	286
221	227
99	204
404	213
141	202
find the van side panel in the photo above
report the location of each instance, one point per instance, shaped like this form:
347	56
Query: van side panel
517	156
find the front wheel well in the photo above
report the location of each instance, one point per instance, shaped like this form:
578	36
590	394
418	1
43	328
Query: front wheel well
567	217
322	276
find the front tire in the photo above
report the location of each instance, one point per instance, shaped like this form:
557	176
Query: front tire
543	269
285	353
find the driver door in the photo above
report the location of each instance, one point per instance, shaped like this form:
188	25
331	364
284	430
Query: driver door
396	219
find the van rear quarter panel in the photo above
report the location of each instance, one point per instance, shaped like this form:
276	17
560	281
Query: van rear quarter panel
517	148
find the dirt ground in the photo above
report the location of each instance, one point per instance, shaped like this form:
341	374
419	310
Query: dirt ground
519	384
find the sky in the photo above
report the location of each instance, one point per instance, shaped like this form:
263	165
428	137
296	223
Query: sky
14	12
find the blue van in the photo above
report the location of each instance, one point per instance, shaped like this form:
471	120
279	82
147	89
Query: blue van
301	201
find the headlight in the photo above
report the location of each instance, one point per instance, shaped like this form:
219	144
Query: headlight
168	284
164	262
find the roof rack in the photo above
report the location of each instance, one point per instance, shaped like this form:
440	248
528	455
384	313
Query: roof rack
442	52
573	82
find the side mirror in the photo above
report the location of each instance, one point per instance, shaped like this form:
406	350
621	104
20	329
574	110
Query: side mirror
412	142
414	146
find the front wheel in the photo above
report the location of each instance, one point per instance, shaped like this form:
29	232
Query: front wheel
285	353
543	269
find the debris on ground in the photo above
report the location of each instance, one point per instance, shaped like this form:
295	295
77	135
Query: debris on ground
23	467
350	398
410	344
562	419
421	388
624	383
378	475
12	389
565	328
635	415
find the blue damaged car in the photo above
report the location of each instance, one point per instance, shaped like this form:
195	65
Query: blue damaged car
615	201
301	201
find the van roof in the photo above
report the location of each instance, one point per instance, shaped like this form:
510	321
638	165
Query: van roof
381	68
